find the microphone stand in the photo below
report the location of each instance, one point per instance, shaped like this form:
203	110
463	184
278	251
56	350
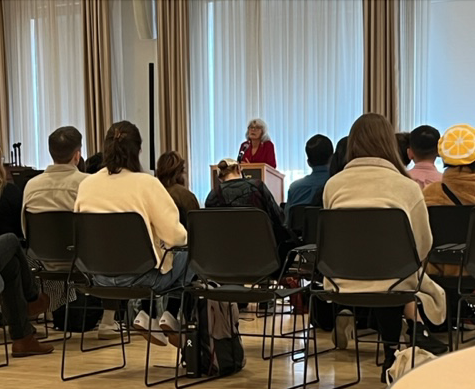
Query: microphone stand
15	146
19	153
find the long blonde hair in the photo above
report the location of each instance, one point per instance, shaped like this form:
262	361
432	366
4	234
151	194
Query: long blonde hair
3	173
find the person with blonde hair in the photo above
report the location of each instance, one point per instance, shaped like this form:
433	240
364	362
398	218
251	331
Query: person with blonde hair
258	147
236	191
171	173
375	177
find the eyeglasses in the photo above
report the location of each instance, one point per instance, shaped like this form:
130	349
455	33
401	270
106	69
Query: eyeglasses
255	128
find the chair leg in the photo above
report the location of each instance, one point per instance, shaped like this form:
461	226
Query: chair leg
307	351
5	343
357	353
449	320
63	359
272	339
84	349
459	313
414	327
174	377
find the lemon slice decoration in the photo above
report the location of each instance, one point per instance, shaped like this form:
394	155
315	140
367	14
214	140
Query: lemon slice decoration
457	146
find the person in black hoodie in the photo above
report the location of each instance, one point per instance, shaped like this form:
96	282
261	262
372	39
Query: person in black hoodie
236	191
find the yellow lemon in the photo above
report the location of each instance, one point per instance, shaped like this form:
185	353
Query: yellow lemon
457	145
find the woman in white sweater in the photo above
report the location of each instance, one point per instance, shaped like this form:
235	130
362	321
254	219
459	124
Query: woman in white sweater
121	186
375	177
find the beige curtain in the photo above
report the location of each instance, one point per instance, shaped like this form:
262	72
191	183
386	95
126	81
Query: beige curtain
98	90
4	134
381	58
173	76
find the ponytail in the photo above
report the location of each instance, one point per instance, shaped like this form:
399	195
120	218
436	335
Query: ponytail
122	148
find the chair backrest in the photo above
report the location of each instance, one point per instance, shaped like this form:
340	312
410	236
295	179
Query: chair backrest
366	244
296	218
449	223
112	244
232	245
470	251
49	234
310	225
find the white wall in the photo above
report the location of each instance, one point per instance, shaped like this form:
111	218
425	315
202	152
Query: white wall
451	63
137	54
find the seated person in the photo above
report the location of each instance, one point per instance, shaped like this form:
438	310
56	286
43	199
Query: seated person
236	191
403	144
319	150
375	177
94	163
171	173
337	164
423	151
10	205
56	190
458	180
121	186
21	299
81	165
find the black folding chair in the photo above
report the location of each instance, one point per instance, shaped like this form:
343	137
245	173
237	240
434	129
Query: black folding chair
236	247
467	283
448	248
111	245
365	244
296	219
2	364
48	237
306	252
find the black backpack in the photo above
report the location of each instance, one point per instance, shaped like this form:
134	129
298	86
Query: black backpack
93	314
220	353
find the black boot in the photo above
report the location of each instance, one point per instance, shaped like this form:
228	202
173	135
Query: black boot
425	340
389	359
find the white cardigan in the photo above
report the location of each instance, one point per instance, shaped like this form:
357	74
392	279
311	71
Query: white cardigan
376	183
134	192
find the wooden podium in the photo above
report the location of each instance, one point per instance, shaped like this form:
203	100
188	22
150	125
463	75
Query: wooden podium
273	179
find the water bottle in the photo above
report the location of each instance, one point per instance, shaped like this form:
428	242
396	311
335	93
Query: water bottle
192	351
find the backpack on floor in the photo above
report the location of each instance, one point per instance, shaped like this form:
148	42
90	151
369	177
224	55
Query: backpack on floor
221	350
76	312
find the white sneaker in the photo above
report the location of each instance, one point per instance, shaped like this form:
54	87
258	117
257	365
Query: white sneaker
344	329
141	323
110	331
170	326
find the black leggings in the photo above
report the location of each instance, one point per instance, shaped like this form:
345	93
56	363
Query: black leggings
389	321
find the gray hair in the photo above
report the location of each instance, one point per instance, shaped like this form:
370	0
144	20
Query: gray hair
262	124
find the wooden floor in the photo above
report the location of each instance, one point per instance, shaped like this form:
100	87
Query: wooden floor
335	367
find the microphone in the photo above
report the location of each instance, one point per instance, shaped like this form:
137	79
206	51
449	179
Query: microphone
244	147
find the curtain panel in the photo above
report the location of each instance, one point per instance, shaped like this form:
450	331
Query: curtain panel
298	65
44	51
381	58
173	76
97	72
4	138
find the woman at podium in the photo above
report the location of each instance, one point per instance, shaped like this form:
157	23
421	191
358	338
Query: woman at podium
258	147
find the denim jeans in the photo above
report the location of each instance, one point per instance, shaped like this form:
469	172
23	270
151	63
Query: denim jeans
20	287
153	278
